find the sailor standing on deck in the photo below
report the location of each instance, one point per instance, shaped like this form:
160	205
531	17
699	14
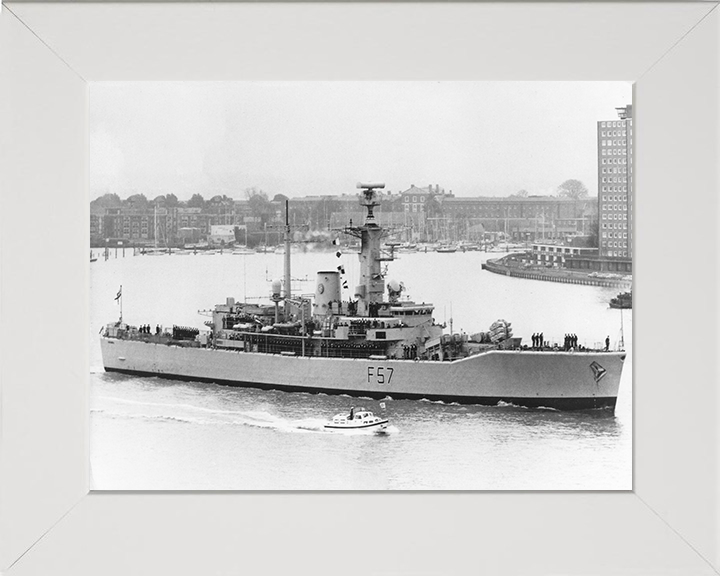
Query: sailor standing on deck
607	343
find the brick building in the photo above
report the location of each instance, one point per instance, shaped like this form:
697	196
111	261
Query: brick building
523	218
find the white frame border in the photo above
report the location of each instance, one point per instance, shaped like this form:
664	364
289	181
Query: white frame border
669	524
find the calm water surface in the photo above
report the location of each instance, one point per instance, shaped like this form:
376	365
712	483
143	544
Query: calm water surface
154	434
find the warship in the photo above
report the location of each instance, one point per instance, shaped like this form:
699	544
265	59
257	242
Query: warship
377	344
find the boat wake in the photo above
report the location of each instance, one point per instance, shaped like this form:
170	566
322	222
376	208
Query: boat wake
156	417
503	404
254	419
362	431
176	405
440	402
366	398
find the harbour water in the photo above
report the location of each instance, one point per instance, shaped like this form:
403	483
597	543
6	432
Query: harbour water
155	434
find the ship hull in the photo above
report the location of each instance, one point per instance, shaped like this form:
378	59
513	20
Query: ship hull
561	380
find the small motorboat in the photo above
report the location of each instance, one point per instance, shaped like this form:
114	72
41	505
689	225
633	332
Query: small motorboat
357	419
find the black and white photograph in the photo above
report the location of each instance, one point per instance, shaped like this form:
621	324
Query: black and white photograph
361	285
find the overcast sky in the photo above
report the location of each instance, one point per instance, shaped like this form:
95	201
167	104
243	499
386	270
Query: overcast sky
304	138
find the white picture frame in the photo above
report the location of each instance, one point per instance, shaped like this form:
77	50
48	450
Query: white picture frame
668	524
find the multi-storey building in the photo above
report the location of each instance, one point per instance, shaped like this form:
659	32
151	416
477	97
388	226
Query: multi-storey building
557	255
415	199
615	178
522	218
155	223
422	215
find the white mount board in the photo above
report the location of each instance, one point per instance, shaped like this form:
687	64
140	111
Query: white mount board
670	524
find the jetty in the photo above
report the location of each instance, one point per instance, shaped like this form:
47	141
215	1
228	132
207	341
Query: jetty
590	278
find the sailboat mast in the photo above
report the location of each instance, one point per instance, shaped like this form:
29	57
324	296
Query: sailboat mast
155	229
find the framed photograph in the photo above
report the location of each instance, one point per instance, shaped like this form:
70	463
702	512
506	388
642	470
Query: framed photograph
53	515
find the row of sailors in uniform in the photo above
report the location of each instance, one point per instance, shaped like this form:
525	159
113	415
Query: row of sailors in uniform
571	341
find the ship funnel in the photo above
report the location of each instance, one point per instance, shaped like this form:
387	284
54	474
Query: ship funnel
327	293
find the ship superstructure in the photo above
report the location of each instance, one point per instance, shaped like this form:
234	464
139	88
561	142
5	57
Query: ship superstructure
377	343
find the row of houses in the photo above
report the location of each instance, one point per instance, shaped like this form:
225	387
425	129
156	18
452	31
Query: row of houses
418	213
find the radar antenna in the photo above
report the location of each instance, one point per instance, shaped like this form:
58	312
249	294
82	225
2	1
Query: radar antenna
370	199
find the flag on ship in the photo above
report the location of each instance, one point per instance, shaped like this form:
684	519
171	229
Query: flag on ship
119	294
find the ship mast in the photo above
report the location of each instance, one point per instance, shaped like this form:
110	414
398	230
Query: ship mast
287	276
371	289
288	279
